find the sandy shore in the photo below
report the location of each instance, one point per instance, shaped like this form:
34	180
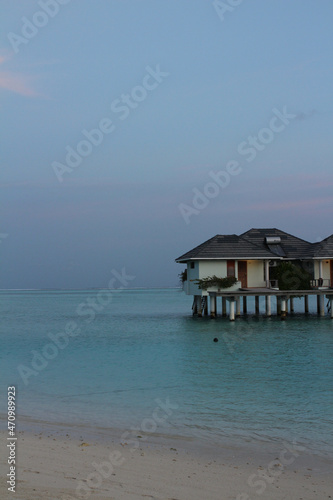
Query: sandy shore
55	464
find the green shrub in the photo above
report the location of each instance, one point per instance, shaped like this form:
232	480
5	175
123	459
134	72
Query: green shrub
291	276
211	281
183	276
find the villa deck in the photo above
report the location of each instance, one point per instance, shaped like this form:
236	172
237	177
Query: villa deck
284	301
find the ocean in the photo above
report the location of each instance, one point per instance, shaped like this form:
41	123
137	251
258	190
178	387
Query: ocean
135	360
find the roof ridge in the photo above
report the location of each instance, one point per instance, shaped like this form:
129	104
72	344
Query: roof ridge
320	245
289	234
229	245
276	229
195	249
257	246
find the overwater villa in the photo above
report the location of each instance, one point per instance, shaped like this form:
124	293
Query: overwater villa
259	262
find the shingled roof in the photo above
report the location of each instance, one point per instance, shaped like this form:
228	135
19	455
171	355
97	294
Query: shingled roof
253	245
228	246
324	249
292	247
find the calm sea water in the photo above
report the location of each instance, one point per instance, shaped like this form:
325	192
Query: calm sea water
264	380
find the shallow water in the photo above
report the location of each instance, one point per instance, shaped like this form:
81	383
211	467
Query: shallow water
265	380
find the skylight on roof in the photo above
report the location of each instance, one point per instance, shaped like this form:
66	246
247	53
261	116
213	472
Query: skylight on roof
277	250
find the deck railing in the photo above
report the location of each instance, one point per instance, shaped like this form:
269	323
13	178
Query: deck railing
321	283
272	284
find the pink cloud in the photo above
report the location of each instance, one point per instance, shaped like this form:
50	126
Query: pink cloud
16	83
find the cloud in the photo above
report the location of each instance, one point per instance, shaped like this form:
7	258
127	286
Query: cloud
287	205
16	82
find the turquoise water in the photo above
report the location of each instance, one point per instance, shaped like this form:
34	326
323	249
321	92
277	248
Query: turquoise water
264	381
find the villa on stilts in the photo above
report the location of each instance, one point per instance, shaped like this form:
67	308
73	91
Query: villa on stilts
259	262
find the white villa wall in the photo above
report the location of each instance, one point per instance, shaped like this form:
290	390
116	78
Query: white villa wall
204	268
192	274
326	270
213	267
255	273
316	269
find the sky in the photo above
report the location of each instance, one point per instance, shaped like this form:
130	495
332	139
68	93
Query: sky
132	131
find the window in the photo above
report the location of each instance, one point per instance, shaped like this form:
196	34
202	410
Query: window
192	265
231	268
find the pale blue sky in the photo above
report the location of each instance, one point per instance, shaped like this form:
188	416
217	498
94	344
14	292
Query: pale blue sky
120	206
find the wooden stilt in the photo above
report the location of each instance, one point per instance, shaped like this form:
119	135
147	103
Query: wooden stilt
331	303
232	310
268	305
244	304
306	303
283	308
199	306
206	306
318	304
257	304
278	305
291	304
213	306
238	308
195	305
224	307
322	305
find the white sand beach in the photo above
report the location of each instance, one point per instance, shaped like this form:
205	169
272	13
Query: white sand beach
56	466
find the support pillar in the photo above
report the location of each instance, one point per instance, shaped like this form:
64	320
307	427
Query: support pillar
206	307
322	305
278	305
331	302
195	306
213	306
244	304
224	307
238	308
318	304
268	305
306	303
257	304
291	304
199	306
232	310
283	308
